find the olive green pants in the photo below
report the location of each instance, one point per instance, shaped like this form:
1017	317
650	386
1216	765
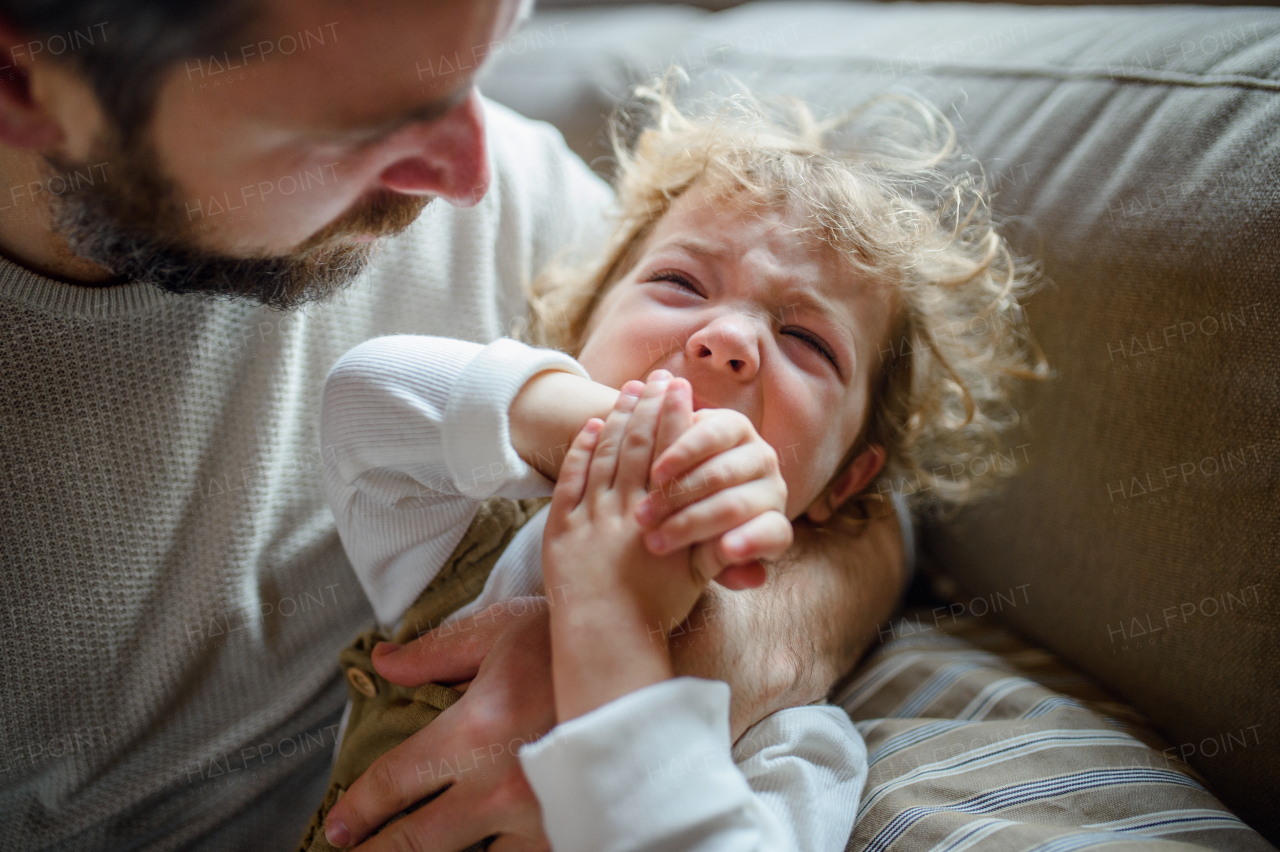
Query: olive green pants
384	714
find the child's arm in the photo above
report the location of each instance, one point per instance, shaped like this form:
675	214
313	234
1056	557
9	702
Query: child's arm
416	431
548	413
654	770
415	435
616	601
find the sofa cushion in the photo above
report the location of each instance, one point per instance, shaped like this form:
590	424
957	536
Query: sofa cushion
976	740
1135	152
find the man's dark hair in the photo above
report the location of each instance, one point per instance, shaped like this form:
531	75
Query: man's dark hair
124	46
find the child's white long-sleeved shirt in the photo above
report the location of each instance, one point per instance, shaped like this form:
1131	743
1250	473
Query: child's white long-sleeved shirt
416	435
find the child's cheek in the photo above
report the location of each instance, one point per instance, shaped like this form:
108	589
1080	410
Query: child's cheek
651	337
806	436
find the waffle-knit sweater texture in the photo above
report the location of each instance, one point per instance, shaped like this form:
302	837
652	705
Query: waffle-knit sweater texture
175	591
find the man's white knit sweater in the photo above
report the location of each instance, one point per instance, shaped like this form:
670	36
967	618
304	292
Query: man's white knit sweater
175	590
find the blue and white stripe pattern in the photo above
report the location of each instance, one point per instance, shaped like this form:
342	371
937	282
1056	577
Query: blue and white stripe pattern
976	740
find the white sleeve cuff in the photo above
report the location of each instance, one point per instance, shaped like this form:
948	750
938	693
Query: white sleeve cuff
654	764
476	434
807	765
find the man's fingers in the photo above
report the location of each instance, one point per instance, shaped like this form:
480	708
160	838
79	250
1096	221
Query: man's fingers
636	452
434	827
712	517
737	578
401	777
604	462
450	653
487	794
470	748
734	559
519	843
573	472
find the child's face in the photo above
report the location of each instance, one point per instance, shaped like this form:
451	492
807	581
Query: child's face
758	319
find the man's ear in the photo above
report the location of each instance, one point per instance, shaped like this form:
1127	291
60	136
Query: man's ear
851	480
24	122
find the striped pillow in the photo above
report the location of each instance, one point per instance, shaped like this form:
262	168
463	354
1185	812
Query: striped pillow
976	740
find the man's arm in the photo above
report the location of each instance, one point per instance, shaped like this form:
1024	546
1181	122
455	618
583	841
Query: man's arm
786	643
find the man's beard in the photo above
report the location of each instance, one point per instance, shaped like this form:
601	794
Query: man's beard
132	225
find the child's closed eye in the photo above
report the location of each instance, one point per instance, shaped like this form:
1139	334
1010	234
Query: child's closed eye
681	280
686	282
813	341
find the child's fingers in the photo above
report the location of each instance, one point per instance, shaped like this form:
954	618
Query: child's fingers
734	561
636	451
765	536
713	517
741	464
704	562
712	433
677	415
604	461
573	471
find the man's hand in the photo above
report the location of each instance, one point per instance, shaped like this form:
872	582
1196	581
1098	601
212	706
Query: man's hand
469	751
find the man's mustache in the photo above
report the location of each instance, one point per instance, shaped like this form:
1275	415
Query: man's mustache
381	213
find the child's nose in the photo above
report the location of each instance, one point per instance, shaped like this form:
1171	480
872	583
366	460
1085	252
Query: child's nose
728	344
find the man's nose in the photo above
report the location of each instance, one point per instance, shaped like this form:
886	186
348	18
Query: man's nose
730	344
445	157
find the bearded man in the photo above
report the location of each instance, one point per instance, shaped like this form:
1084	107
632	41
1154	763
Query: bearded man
204	205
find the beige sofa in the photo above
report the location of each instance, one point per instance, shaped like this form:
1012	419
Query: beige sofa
1135	152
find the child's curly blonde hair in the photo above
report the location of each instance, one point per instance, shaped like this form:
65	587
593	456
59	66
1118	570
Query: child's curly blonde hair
879	185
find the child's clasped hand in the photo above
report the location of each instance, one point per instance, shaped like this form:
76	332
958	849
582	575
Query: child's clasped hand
656	500
717	485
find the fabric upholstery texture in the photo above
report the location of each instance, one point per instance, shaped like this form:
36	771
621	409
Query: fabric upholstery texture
976	740
1135	153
